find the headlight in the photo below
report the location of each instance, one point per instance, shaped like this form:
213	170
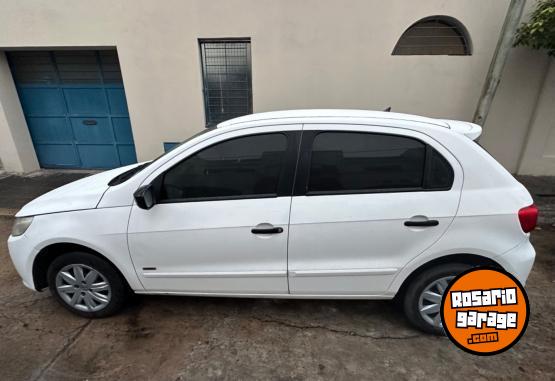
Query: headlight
20	225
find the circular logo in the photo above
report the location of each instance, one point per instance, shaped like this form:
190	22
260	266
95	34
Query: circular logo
485	311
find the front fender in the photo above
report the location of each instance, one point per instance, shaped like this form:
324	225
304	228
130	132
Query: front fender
101	230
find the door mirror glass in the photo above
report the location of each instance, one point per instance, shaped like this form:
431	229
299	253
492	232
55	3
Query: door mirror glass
144	197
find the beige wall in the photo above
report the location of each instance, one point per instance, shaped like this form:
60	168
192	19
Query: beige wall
538	157
506	128
305	54
509	125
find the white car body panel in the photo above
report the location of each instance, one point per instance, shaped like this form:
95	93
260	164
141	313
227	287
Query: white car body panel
470	130
208	253
82	194
356	243
348	246
193	252
102	230
331	116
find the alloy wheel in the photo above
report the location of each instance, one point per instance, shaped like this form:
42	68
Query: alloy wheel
429	303
83	287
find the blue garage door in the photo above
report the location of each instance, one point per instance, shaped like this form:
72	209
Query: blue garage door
75	107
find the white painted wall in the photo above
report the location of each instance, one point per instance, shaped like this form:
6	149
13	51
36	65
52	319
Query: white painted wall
305	54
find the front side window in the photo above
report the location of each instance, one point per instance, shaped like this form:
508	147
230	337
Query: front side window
243	167
350	162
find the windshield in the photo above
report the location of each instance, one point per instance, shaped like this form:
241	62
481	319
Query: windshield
123	177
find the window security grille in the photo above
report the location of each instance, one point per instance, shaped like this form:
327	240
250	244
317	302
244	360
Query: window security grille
226	69
434	36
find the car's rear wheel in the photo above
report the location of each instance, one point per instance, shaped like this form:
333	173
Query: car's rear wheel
86	285
422	299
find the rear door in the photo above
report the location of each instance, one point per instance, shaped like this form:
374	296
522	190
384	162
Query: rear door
365	204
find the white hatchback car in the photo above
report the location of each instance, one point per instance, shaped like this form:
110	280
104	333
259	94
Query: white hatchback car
339	204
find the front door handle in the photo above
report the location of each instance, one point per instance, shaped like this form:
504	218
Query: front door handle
422	223
266	230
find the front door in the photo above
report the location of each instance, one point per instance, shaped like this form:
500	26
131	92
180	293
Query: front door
221	223
365	204
75	107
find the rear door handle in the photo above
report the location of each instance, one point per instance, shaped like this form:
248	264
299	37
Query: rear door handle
422	223
267	230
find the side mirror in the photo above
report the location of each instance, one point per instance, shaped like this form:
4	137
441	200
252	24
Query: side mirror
144	197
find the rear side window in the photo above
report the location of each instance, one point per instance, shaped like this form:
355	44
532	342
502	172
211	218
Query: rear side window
350	162
440	172
243	167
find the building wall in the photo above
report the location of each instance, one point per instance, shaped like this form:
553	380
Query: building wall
538	157
16	149
506	129
305	54
509	124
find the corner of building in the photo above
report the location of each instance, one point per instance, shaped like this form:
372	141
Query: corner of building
17	153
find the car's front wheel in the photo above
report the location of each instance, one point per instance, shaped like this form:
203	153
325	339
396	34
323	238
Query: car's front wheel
86	285
422	299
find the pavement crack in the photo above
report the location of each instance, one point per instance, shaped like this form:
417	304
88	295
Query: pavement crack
290	324
68	344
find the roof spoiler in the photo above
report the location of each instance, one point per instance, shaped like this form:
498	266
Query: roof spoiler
470	130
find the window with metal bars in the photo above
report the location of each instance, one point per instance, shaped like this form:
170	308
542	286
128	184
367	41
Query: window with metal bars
436	35
226	72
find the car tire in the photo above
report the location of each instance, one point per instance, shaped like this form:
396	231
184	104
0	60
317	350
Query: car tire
87	285
424	293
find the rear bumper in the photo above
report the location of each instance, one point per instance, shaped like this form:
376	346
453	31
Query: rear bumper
519	260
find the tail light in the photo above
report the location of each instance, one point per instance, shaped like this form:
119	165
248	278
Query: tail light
528	218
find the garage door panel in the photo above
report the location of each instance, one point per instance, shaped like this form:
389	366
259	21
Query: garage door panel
80	77
92	130
36	74
118	103
34	67
42	101
86	101
50	130
57	155
122	130
98	156
75	106
127	154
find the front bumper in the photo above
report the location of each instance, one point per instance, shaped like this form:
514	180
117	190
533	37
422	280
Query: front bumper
22	252
519	260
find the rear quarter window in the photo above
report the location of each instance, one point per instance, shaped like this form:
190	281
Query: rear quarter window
440	173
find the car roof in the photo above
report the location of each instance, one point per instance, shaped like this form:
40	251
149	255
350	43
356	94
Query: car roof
300	116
